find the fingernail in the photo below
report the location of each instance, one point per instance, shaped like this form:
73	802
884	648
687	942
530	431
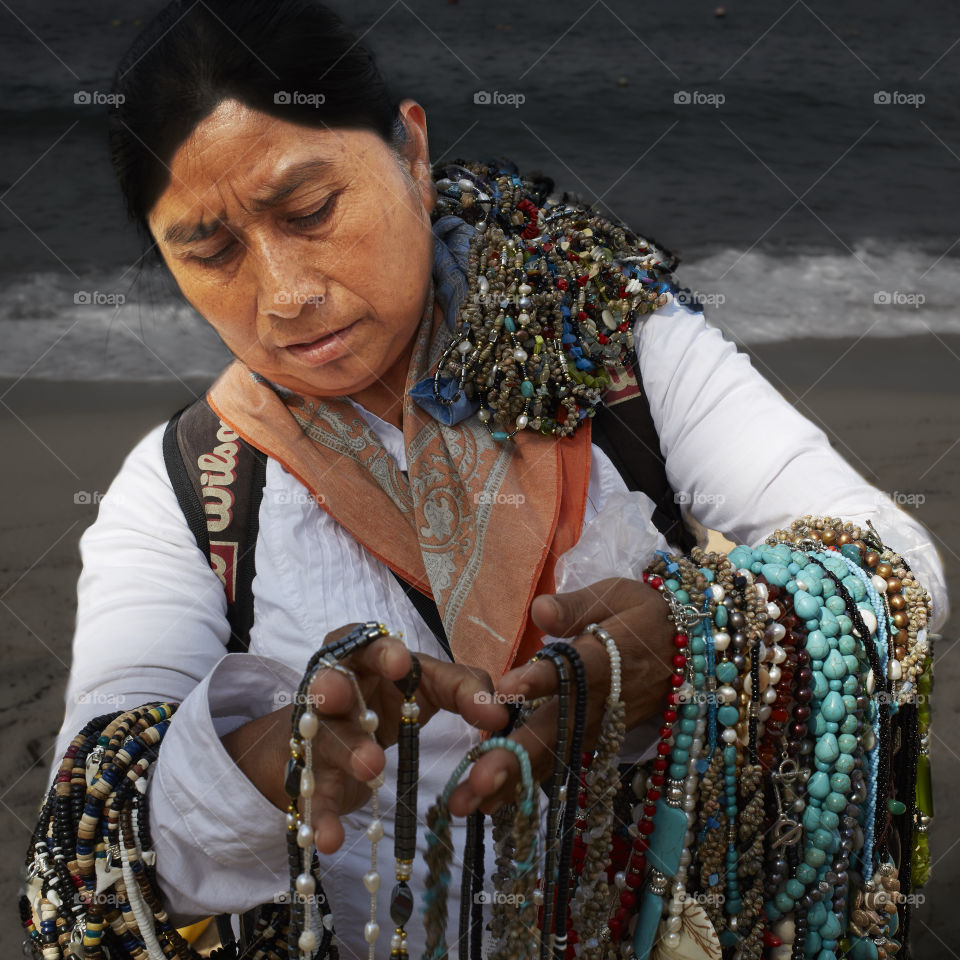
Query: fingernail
500	779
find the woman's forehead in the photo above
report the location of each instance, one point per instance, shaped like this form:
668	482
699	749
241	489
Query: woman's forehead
257	160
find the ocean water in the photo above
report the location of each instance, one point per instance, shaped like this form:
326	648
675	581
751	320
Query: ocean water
801	158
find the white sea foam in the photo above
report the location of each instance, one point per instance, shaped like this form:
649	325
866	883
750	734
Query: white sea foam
103	327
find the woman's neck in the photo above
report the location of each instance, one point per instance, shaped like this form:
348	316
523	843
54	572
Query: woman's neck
384	397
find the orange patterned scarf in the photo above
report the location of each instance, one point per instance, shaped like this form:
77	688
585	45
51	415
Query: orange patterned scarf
476	523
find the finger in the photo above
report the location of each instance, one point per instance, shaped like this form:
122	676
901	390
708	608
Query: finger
568	614
342	745
493	779
529	682
386	656
463	690
326	803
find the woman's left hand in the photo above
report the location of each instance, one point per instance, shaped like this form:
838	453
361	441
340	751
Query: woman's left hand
636	617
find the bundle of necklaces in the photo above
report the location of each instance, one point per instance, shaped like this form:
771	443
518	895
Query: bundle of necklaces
784	815
786	810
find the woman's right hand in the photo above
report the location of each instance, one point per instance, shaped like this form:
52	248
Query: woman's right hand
345	757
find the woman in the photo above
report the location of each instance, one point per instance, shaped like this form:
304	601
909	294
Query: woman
262	156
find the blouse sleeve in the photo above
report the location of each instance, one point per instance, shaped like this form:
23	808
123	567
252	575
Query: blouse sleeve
744	460
151	625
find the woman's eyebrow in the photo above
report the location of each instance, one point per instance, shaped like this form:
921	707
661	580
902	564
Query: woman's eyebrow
278	191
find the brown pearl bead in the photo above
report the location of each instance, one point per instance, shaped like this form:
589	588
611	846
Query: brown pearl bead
902	637
900	619
843	539
871	558
897	602
828	537
900	652
884	570
894	585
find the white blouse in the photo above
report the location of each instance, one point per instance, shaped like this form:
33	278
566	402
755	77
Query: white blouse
151	617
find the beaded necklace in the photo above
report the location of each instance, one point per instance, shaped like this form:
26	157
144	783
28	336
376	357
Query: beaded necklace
553	293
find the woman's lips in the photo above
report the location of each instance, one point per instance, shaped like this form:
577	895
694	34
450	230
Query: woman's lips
324	349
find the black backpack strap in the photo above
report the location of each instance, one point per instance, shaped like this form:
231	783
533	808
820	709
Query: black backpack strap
218	479
427	608
623	429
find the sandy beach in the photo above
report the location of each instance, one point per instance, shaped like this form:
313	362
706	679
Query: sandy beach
890	406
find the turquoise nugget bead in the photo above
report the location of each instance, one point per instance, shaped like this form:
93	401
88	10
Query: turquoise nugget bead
846	624
855	586
811	818
840	782
805	606
796	889
499	435
784	902
847	644
827	749
726	671
526	388
821	686
822	839
775	573
720	618
849	550
847	742
806	873
845	763
835	604
853	664
836	802
828	623
817	645
834	667
832	707
815	857
816	916
829	820
819	785
678	770
728	715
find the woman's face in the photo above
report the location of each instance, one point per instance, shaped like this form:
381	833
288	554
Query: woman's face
309	251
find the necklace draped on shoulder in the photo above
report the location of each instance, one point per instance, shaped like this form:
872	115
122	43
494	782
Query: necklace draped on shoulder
551	293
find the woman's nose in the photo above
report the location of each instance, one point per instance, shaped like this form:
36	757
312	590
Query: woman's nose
282	289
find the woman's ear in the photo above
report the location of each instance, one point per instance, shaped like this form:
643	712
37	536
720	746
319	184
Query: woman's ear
416	151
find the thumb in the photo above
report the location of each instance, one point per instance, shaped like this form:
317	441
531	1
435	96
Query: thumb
558	614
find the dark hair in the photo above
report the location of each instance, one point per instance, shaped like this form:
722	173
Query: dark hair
192	56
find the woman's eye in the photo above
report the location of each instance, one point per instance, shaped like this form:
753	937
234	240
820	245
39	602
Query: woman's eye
221	256
317	217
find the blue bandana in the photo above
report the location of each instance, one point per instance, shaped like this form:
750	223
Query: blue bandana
451	244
